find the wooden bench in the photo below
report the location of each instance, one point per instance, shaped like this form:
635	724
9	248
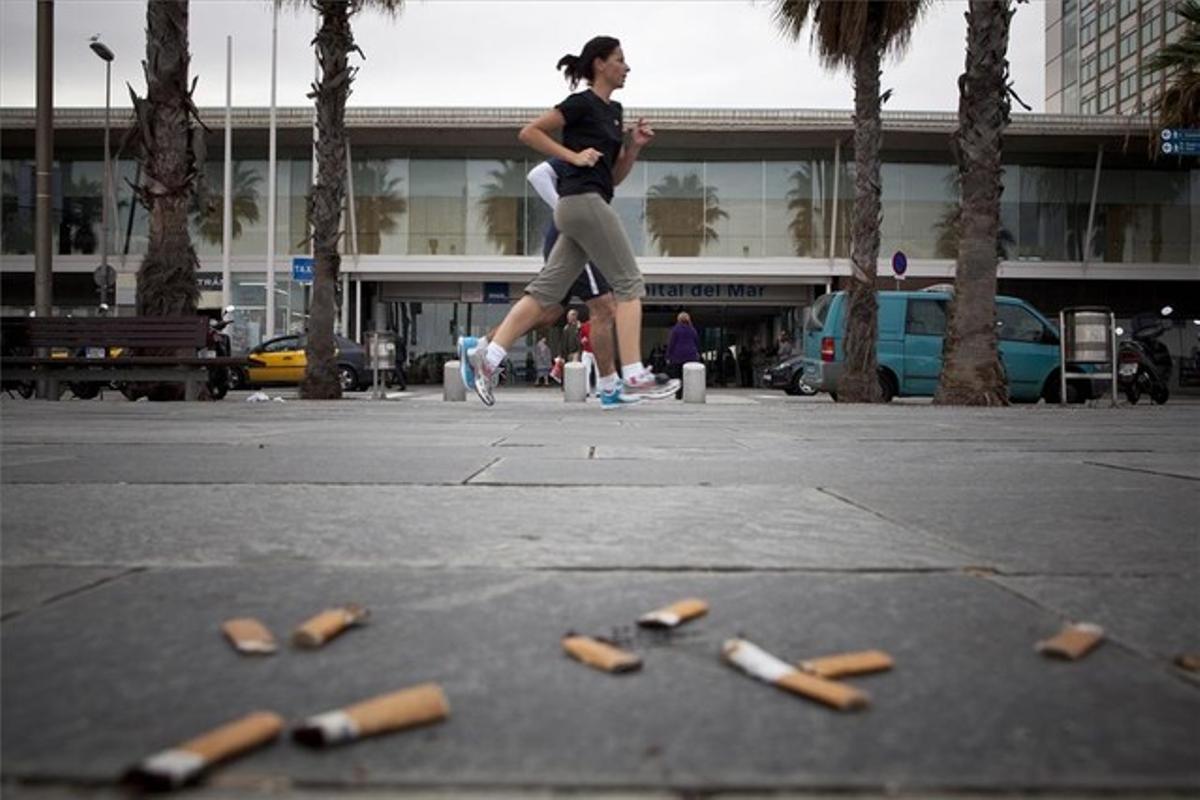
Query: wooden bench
179	337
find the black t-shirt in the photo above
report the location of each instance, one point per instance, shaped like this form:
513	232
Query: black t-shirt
590	122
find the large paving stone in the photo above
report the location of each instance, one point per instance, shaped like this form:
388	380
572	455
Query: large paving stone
93	682
684	527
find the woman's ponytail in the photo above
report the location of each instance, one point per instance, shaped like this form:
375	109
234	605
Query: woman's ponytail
569	65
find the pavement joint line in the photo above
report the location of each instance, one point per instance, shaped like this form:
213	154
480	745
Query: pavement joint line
1143	471
96	584
481	470
949	545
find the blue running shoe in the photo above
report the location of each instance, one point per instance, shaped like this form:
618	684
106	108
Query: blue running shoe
465	345
617	398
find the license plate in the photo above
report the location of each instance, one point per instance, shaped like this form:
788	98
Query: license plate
94	352
208	353
1127	370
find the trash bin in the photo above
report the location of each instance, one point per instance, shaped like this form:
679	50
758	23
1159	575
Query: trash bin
381	349
1088	337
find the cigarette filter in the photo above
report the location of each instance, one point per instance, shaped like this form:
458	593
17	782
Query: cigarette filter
1074	642
249	636
758	663
328	624
184	763
674	614
859	663
601	655
417	705
1188	661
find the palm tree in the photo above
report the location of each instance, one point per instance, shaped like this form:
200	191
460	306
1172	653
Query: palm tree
378	204
971	369
1178	105
171	151
680	215
502	208
209	211
856	34
334	43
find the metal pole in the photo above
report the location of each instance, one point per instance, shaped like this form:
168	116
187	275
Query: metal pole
1062	358
837	168
1087	240
353	221
1112	366
269	328
107	184
358	309
44	156
227	205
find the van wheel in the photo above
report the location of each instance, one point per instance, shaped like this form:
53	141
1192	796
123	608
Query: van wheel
347	378
887	386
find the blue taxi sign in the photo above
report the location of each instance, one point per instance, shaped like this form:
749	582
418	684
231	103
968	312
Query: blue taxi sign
899	263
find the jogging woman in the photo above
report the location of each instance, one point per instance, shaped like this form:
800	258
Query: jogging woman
593	145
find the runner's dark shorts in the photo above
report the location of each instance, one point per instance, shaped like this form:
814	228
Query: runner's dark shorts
589	285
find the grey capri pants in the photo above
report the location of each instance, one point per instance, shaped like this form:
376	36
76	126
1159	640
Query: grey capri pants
590	230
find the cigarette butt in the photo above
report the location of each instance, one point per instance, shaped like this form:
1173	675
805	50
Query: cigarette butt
417	705
184	763
1188	661
760	664
250	636
601	655
674	614
842	664
328	624
1073	642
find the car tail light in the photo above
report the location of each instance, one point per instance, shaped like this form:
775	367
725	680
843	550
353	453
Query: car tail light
1127	357
827	349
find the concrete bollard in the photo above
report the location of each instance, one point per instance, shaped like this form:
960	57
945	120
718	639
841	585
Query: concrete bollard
574	382
693	382
452	385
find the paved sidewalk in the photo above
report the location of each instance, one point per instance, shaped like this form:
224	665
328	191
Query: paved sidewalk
954	539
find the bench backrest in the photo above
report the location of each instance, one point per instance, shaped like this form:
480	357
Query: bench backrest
72	332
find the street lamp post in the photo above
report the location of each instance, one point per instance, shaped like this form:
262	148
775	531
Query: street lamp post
100	49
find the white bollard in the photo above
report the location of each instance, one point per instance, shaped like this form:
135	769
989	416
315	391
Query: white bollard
574	382
452	385
693	382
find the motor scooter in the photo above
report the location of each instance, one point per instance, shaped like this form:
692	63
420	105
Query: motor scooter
219	345
1143	362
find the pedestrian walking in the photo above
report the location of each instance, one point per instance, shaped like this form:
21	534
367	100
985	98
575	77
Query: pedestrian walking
683	346
542	360
599	158
572	347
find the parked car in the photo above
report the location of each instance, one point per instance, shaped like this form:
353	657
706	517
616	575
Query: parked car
909	348
284	361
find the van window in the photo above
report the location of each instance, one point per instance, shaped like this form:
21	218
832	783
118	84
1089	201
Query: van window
926	317
1017	324
820	310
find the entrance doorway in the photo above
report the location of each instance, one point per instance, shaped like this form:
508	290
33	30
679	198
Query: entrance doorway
736	341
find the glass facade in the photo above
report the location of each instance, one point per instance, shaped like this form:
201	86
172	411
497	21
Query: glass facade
677	209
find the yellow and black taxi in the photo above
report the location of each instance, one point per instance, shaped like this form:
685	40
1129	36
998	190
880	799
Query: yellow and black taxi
281	362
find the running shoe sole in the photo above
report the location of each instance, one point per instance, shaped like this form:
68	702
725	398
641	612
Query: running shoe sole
662	392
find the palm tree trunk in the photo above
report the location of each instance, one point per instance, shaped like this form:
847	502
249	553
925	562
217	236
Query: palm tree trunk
334	42
971	369
860	382
167	279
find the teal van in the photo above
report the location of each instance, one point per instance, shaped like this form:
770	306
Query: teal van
909	347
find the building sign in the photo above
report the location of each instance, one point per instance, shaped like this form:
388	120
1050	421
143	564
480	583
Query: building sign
209	281
495	292
726	293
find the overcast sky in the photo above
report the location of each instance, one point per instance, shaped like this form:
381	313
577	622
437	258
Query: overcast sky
684	53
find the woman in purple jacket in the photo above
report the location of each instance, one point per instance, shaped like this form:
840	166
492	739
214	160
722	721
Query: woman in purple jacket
683	346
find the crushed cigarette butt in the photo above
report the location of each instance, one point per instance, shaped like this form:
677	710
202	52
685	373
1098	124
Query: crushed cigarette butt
601	655
838	666
674	614
328	624
1073	642
248	635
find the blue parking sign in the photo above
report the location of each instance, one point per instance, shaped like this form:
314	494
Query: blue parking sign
302	269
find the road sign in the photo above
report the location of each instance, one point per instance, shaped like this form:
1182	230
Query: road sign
104	276
1181	141
899	264
302	269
